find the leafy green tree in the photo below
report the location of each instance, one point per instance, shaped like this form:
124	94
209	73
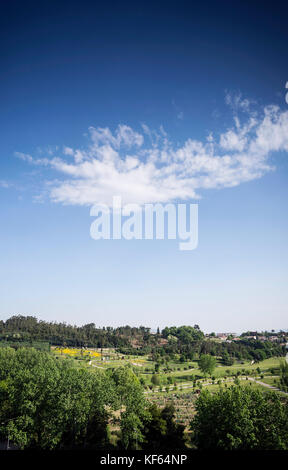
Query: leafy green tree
259	355
161	432
154	429
207	364
284	375
240	418
48	404
130	400
131	431
155	379
226	359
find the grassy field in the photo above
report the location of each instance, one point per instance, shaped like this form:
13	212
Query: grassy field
169	374
190	371
182	382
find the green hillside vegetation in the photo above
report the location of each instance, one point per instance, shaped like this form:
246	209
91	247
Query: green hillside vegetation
68	387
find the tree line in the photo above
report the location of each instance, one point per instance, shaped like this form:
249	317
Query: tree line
29	328
185	341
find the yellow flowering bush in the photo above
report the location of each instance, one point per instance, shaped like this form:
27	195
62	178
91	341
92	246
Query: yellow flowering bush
77	351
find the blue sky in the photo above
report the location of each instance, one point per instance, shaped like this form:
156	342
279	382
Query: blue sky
192	103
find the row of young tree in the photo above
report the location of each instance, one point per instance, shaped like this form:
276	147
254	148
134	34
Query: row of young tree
49	403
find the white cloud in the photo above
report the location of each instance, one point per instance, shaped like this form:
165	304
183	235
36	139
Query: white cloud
68	151
25	157
124	135
237	102
147	167
4	184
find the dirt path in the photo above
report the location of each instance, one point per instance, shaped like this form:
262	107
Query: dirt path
267	385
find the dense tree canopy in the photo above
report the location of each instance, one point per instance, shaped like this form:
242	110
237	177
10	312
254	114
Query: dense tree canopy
240	418
184	333
186	341
161	432
48	403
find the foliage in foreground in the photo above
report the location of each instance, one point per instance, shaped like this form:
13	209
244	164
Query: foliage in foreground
240	418
51	404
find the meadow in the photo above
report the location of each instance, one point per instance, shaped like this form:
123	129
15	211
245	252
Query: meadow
178	383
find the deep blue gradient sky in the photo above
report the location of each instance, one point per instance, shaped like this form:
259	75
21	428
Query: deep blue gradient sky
66	66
